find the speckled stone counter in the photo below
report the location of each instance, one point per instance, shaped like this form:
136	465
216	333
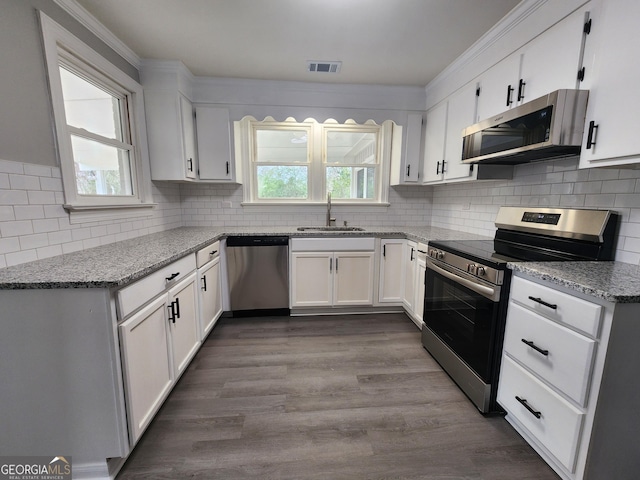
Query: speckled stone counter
119	263
612	281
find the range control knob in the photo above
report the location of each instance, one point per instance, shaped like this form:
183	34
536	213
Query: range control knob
440	255
480	271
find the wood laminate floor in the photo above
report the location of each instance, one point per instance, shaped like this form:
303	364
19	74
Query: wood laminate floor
325	397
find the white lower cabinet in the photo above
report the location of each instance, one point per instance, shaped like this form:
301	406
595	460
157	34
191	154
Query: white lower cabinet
320	279
418	311
209	287
148	370
340	276
391	288
410	275
183	323
157	341
579	416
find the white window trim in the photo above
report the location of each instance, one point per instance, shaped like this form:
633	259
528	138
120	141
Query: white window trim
245	153
84	207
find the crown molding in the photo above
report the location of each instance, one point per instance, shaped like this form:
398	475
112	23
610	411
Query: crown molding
523	10
82	15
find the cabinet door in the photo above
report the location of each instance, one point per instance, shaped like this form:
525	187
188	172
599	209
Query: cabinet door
311	279
210	296
146	364
183	323
434	143
214	143
498	87
188	137
410	271
420	288
545	66
412	165
353	278
391	287
460	115
611	75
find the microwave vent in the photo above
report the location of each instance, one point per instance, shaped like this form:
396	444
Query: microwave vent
324	67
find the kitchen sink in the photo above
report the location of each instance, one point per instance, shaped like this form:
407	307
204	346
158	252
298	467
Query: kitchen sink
330	229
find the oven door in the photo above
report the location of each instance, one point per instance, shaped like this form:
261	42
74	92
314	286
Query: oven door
463	312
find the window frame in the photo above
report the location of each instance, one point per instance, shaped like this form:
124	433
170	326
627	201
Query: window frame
317	152
62	48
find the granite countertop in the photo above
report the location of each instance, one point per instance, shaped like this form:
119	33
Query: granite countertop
117	264
612	281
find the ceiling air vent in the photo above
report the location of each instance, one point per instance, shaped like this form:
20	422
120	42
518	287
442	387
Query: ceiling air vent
324	67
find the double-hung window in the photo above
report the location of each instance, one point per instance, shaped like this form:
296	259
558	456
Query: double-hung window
99	124
292	162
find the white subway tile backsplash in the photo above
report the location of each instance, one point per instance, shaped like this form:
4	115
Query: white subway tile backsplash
9	245
6	213
34	241
13	197
7	166
28	212
53	184
23	256
4	181
24	182
39	197
16	228
38	170
50	251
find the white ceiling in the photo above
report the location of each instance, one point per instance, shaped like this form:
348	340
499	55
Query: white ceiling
383	42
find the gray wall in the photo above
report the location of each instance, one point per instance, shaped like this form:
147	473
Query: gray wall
26	127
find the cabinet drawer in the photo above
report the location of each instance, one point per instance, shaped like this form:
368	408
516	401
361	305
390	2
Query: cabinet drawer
332	244
569	310
558	427
207	253
569	355
137	294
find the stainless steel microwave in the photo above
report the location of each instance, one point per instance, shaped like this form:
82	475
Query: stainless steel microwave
544	128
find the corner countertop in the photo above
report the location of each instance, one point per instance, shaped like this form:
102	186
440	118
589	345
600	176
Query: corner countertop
117	264
612	281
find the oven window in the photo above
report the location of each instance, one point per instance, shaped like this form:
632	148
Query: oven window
464	320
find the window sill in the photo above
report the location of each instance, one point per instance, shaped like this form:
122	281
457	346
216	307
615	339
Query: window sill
93	213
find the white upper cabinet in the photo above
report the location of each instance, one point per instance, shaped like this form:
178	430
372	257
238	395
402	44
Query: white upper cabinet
497	86
549	62
214	144
406	163
552	60
611	75
170	121
443	138
434	139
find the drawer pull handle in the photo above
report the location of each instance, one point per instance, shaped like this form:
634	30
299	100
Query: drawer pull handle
172	312
172	276
213	253
535	347
542	302
524	403
204	283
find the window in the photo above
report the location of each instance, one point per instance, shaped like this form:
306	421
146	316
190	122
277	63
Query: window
302	162
98	118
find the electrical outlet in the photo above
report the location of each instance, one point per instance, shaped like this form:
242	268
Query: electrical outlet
227	205
466	206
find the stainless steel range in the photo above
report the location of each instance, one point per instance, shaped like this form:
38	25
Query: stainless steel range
467	286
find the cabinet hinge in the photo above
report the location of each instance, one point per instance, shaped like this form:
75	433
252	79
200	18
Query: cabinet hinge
470	169
587	27
581	74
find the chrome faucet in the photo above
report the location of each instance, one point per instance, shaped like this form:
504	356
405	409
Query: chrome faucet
329	219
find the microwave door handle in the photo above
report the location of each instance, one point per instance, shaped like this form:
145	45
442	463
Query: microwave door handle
487	292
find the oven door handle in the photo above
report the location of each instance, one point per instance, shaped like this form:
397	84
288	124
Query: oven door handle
487	292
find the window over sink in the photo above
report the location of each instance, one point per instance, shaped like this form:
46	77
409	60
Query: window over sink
301	162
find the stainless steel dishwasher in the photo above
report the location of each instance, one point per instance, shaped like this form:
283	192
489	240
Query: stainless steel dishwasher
258	270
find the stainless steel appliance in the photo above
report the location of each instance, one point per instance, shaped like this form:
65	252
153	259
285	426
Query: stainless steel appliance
547	127
467	286
258	271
